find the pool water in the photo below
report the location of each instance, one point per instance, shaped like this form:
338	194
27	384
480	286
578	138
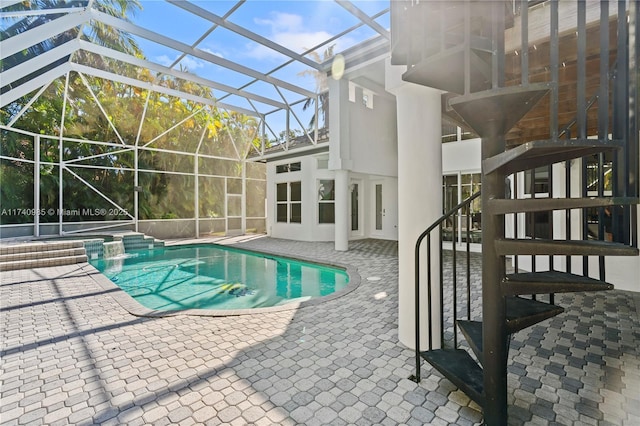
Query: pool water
217	277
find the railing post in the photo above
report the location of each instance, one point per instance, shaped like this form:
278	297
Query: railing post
427	234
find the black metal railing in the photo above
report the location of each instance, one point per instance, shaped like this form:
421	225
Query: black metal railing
460	208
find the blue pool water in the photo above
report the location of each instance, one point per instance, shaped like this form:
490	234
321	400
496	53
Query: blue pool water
216	277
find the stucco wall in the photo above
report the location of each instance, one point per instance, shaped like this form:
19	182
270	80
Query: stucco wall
461	156
309	229
373	135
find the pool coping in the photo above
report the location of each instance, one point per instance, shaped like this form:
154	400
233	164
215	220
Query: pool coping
135	308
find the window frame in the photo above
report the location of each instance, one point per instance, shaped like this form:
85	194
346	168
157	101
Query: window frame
323	202
285	204
540	220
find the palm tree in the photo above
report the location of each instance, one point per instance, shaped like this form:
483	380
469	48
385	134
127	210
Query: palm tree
97	32
322	88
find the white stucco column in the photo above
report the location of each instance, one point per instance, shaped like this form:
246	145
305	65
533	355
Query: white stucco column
342	210
340	158
419	198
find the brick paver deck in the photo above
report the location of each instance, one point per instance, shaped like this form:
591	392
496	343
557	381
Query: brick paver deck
72	355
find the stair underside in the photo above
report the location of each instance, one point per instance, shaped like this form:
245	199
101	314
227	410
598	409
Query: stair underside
523	313
494	112
504	206
472	331
539	153
562	247
550	282
462	370
445	71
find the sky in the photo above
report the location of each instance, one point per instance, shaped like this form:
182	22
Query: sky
296	24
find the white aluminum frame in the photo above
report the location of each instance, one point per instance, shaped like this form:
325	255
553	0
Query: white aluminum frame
260	106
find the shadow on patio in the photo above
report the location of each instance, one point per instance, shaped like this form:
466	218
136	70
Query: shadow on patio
72	355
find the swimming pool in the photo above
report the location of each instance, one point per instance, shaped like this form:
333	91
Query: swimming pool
208	276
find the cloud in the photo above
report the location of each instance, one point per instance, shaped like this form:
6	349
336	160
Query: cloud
206	49
288	30
281	21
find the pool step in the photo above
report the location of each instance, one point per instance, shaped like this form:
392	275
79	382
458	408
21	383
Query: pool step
39	254
40	246
138	241
31	255
47	254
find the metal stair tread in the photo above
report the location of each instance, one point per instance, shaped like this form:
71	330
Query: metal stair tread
522	313
538	153
472	331
509	246
504	206
459	368
550	282
496	111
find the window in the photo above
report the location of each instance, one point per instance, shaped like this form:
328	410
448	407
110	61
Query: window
599	181
295	194
291	167
326	201
295	167
323	163
289	202
355	208
540	181
537	184
457	188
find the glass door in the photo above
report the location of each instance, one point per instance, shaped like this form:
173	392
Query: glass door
355	207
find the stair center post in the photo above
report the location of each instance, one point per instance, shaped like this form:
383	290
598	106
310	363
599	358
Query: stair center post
494	332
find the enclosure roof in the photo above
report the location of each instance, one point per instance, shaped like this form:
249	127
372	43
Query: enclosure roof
257	57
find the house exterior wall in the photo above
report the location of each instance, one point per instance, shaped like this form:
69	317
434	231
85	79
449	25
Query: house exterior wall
309	229
373	152
461	156
363	148
366	148
372	138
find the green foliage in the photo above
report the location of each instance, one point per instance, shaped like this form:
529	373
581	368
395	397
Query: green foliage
164	194
167	131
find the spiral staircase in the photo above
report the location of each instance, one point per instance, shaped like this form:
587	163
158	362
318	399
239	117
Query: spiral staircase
459	47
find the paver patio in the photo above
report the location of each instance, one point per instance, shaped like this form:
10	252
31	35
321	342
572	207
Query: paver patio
72	355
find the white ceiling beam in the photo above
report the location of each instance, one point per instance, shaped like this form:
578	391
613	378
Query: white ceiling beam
8	3
38	62
41	33
316	47
33	84
206	56
30	12
203	13
123	57
155	88
26	107
351	8
206	33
